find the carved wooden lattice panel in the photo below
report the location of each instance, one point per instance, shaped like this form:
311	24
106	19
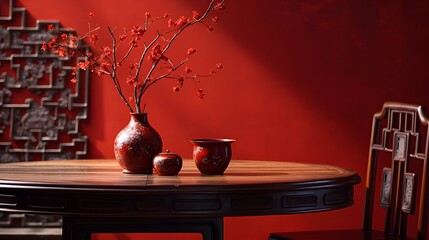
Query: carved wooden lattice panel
40	109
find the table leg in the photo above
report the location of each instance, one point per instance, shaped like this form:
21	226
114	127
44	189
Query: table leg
71	231
82	228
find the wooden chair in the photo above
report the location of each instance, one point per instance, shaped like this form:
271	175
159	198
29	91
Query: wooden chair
398	172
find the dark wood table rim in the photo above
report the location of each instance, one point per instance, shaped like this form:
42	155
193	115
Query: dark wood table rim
98	188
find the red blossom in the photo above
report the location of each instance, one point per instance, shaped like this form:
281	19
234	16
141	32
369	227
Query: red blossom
210	28
188	70
122	37
51	27
84	65
73	80
152	58
219	6
73	41
176	88
147	14
61	51
137	31
171	23
155	53
104	65
180	80
93	38
182	21
131	99
53	41
191	51
219	66
90	14
73	73
64	36
195	15
44	46
200	93
133	42
133	66
107	51
131	80
215	19
166	15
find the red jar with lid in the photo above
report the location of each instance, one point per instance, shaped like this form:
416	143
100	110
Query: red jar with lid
167	164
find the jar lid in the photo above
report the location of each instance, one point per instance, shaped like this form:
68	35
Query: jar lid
167	153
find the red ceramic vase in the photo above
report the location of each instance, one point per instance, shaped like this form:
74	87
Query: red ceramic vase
212	156
136	145
167	164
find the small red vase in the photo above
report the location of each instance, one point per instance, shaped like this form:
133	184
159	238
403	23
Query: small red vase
167	164
136	145
212	156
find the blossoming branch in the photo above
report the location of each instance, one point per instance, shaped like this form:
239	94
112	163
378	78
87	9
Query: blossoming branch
153	56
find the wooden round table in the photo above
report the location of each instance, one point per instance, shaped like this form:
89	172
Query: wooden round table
94	196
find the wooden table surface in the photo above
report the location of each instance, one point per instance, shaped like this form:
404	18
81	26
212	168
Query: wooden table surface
99	188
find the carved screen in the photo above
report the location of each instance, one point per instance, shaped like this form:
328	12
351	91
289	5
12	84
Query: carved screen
40	109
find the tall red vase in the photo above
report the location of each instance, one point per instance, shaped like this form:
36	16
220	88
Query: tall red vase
137	144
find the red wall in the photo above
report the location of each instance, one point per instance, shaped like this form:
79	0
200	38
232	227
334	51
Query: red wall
301	81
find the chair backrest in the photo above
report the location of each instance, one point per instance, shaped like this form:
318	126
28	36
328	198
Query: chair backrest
399	137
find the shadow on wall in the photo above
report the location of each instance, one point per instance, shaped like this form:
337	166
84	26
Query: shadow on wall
308	73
